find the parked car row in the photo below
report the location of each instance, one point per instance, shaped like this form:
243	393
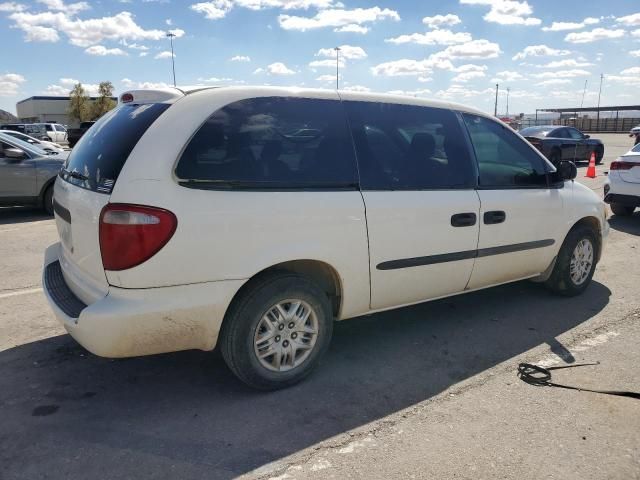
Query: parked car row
53	132
559	143
251	218
43	144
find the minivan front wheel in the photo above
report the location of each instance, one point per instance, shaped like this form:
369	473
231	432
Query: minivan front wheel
277	331
575	264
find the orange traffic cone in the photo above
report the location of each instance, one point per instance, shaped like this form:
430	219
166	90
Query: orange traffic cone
591	170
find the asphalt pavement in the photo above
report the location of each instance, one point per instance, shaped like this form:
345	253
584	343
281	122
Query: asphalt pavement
428	391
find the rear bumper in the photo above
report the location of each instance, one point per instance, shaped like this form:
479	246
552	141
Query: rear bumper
134	322
625	200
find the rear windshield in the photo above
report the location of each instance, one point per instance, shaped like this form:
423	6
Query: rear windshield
100	154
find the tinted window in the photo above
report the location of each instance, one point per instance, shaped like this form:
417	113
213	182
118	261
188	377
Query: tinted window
559	133
273	142
407	147
504	159
49	128
102	152
59	128
573	133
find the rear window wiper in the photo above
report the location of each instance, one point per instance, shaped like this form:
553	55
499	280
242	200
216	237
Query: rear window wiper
75	174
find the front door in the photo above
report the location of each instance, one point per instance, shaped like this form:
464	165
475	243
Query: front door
582	146
521	217
417	180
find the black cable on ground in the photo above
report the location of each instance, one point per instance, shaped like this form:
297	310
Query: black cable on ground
540	376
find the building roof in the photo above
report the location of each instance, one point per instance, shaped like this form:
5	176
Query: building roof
39	97
619	108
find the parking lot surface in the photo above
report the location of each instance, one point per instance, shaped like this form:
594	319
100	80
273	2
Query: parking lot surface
428	391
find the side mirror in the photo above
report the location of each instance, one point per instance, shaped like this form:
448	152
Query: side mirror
567	170
586	136
14	153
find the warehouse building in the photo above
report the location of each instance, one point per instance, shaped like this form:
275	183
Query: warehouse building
43	109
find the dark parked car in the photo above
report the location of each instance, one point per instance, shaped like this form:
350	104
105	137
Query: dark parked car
75	134
558	143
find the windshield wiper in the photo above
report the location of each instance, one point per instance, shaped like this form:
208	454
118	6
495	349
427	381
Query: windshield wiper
75	174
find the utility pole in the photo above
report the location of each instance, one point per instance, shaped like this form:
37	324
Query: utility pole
173	63
599	93
584	91
337	49
495	108
508	90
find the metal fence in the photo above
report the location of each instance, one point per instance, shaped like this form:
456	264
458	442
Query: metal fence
604	125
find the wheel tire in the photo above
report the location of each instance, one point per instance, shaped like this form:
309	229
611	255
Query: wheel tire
47	200
561	281
237	338
555	158
622	210
599	157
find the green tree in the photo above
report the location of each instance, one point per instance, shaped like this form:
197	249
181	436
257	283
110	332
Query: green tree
104	102
79	104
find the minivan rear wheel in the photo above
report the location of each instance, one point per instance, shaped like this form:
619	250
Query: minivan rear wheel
276	332
575	264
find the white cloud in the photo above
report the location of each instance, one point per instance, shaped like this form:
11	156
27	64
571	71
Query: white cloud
69	8
631	71
337	18
467	76
594	35
400	68
540	51
473	49
562	26
10	84
352	28
636	33
562	74
143	54
630	20
215	80
213	10
83	33
326	78
135	46
631	81
327	63
258	70
177	32
279	68
432	37
507	12
554	81
65	85
240	58
508	76
424	79
441	20
348	52
565	64
102	51
12	7
635	53
457	91
165	54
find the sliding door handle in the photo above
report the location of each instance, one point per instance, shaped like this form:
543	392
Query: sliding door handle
493	217
463	220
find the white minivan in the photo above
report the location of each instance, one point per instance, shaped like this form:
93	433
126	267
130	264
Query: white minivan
252	218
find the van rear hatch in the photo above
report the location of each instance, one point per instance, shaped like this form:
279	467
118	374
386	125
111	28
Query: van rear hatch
84	187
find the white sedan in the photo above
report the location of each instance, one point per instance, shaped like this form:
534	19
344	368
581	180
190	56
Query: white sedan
43	144
622	187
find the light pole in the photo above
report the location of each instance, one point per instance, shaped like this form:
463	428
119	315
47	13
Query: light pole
599	92
173	63
584	91
508	90
495	108
337	49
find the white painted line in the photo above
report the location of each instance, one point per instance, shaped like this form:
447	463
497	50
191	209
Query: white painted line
20	292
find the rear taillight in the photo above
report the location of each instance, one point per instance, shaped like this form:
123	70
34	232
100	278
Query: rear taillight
622	165
132	234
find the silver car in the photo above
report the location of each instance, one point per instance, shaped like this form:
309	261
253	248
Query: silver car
27	173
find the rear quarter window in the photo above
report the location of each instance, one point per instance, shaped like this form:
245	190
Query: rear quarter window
102	152
271	143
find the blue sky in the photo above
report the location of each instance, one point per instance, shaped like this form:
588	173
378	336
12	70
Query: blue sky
452	49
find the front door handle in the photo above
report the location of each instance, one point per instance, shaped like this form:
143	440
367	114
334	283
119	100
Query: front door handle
493	217
463	220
